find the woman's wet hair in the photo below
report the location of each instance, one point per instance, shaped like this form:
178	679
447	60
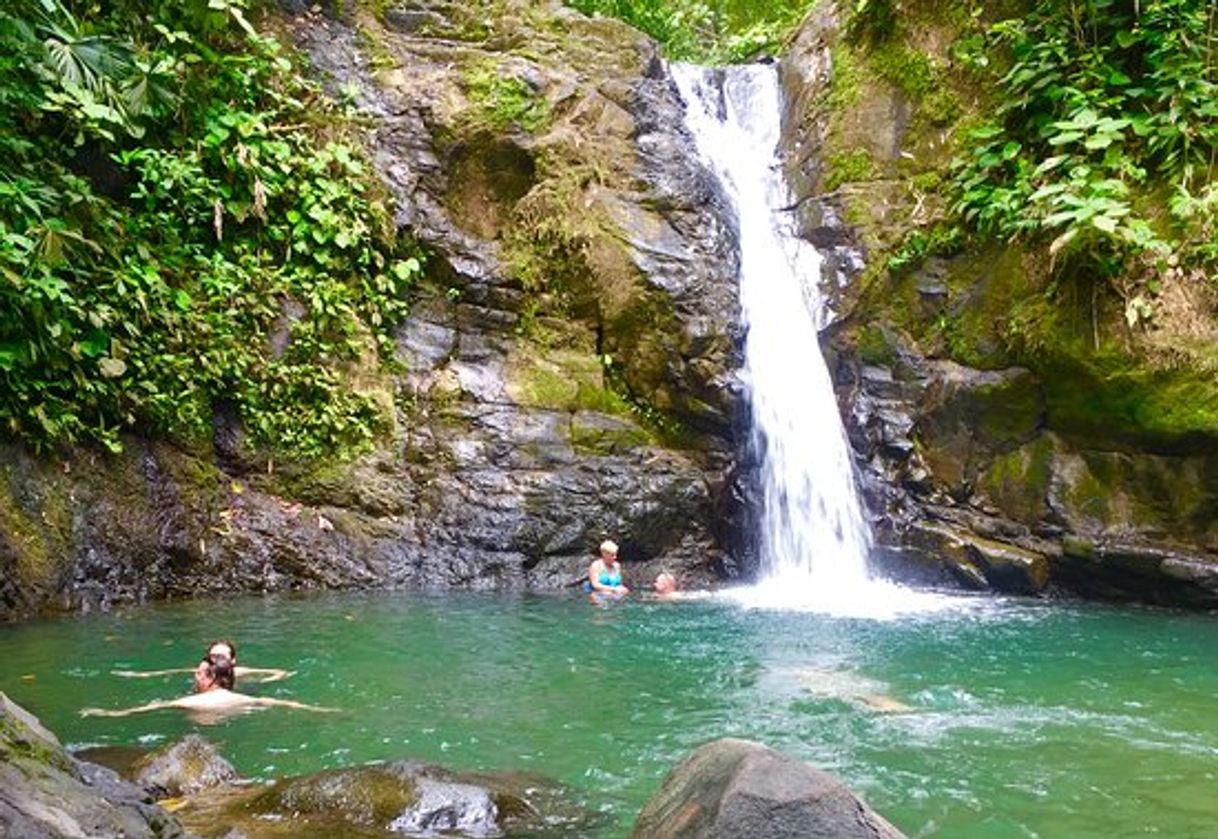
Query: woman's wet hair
223	673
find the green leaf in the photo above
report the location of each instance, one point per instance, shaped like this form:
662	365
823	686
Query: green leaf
95	343
1065	137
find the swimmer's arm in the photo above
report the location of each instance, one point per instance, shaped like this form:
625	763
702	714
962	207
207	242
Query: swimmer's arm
291	703
263	674
126	712
147	674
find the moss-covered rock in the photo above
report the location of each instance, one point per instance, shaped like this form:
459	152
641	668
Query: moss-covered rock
392	799
186	767
45	793
1102	438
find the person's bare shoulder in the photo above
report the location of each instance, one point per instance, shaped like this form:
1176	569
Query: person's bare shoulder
212	700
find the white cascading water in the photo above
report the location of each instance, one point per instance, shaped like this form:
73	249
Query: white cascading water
814	540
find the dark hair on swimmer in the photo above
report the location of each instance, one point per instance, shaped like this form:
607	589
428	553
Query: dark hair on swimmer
225	643
222	672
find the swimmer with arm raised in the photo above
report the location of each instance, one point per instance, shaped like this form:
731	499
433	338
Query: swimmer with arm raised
213	693
215	651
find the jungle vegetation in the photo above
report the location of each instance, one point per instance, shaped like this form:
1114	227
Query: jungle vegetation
185	223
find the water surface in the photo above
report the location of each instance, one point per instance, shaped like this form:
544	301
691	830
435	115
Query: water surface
1026	719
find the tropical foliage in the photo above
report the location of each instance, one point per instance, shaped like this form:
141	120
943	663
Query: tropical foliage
183	225
709	31
1105	135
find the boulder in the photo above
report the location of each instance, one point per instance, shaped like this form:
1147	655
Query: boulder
394	799
183	768
733	788
447	807
44	792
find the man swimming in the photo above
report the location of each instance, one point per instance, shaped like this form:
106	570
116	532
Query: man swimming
213	693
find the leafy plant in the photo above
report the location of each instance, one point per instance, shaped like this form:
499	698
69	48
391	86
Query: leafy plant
708	31
1099	102
174	234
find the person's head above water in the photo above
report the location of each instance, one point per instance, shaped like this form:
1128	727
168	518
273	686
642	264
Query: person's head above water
204	676
222	649
609	551
210	675
665	583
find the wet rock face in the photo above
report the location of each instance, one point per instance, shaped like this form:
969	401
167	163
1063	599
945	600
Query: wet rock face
733	788
968	483
569	360
1007	478
588	267
44	792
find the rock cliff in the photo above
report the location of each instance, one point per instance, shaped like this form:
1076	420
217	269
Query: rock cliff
1001	444
567	369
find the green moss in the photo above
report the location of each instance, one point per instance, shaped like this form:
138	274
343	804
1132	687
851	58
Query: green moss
928	181
1110	397
18	745
874	347
598	441
38	536
1019	481
566	381
1090	497
939	106
845	86
503	100
373	45
849	167
909	70
984	286
33	559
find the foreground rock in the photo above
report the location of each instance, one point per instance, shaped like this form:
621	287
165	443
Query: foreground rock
388	800
734	788
184	768
44	792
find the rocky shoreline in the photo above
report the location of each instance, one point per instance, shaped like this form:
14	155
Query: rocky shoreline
724	788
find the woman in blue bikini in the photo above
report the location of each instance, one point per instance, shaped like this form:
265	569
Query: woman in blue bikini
605	575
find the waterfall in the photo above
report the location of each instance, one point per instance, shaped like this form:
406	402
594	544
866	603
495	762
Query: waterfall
814	539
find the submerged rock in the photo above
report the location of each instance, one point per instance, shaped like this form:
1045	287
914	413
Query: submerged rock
732	788
44	792
446	807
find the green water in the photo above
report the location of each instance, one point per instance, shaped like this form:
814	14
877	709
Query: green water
1027	720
